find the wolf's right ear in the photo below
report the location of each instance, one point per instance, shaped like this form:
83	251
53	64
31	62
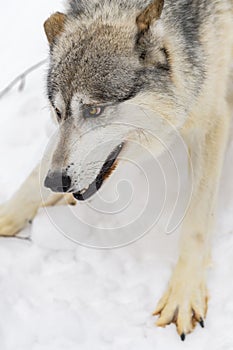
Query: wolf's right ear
151	13
54	26
149	40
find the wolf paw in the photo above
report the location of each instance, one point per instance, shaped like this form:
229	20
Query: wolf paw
184	303
13	218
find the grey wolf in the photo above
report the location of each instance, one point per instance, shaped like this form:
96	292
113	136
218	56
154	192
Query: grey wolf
173	57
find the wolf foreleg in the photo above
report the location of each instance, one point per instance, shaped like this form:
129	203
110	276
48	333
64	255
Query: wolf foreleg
185	301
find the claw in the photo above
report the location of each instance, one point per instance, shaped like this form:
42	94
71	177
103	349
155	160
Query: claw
182	337
201	322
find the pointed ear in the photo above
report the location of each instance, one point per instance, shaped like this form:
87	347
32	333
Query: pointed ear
150	38
149	15
54	26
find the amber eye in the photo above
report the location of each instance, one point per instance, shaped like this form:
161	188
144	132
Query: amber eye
58	113
92	112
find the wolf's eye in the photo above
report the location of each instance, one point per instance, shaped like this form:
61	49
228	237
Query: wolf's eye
92	112
58	113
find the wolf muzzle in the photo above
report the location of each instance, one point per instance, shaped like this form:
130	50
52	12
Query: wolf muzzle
105	172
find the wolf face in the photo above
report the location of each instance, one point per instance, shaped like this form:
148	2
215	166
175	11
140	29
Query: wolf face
102	65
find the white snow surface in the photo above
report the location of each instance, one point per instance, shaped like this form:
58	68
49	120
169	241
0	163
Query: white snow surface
58	295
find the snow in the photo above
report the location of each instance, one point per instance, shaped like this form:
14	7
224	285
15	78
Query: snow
60	295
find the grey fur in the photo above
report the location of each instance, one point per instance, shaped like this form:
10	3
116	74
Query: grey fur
102	60
78	7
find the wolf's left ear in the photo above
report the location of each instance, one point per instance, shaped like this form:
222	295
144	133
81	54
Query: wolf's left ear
149	15
54	26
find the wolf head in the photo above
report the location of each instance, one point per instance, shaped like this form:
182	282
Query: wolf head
108	63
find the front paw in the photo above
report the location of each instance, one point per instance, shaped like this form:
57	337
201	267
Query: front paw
14	216
185	302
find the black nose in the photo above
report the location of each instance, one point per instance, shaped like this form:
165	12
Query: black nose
58	181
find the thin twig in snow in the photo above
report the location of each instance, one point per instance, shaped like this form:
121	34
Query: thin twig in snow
21	79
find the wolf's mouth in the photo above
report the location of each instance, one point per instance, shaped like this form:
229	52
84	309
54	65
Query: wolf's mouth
105	172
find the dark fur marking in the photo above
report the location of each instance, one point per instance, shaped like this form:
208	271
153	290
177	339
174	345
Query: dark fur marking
190	15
